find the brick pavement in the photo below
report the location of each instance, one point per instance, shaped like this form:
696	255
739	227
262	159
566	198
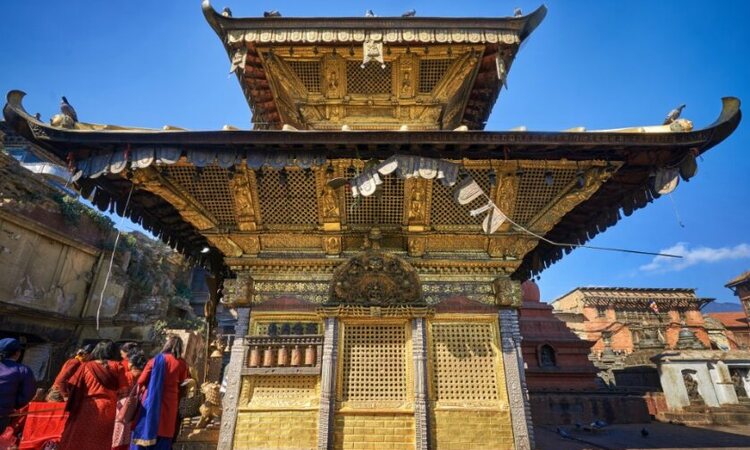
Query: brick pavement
661	436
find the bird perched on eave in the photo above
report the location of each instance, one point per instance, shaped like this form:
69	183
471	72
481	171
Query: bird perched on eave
409	13
517	12
563	433
673	115
272	13
370	13
67	110
226	12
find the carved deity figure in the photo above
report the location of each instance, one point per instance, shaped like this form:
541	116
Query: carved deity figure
330	203
416	206
406	83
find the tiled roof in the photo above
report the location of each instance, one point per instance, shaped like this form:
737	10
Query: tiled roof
739	279
731	319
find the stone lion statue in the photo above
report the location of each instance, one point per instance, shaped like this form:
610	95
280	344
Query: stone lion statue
211	407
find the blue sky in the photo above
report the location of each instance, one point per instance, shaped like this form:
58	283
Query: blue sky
591	63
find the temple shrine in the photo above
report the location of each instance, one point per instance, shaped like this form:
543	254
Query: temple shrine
370	236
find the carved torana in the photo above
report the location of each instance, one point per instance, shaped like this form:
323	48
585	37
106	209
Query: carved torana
375	278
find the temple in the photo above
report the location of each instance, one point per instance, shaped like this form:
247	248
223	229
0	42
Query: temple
369	235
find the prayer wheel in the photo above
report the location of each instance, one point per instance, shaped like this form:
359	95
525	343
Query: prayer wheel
269	357
283	357
296	356
255	356
310	355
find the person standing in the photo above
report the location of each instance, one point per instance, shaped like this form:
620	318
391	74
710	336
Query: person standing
162	377
17	383
125	350
93	396
59	390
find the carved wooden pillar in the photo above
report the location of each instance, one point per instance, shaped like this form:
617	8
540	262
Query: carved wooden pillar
515	380
238	293
328	383
419	349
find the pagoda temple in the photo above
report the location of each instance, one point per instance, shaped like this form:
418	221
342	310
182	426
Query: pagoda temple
369	234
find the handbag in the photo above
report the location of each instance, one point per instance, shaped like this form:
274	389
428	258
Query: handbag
127	407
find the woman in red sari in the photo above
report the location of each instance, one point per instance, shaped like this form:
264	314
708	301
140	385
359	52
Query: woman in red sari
162	377
94	390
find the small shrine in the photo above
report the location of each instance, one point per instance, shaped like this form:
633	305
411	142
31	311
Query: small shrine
369	235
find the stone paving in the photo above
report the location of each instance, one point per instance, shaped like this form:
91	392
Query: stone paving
661	436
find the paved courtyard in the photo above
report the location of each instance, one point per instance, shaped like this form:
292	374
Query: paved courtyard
661	435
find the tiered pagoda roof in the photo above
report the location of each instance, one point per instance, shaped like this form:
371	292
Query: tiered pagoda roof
264	194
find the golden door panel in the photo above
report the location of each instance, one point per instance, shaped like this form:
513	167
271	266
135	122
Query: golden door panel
468	397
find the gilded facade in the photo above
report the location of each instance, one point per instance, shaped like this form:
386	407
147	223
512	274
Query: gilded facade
370	236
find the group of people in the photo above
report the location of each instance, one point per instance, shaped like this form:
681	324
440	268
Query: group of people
113	400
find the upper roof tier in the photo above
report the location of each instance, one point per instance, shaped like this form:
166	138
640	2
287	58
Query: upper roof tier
371	73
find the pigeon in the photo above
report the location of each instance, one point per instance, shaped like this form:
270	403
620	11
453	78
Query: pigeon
673	115
226	12
271	13
517	12
369	13
644	432
38	116
578	426
67	110
409	13
563	433
598	423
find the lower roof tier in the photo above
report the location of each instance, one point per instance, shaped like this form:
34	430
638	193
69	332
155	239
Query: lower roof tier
288	194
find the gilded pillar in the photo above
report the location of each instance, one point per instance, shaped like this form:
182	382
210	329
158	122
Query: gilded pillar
238	294
419	349
234	378
328	383
518	395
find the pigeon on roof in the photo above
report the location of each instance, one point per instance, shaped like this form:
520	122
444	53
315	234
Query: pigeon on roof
67	110
226	12
674	115
409	13
370	13
272	13
517	12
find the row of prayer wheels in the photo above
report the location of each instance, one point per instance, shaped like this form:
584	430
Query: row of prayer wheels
283	356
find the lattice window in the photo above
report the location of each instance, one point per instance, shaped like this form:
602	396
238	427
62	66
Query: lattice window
372	79
641	315
374	363
383	209
534	193
431	71
210	187
464	362
280	389
308	72
445	211
293	202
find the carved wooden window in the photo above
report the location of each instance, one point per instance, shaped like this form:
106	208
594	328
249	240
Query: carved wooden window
547	356
210	187
464	362
289	201
370	80
431	71
374	363
446	212
535	192
601	311
382	209
308	72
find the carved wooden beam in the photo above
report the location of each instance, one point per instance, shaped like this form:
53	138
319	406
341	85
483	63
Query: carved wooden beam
191	210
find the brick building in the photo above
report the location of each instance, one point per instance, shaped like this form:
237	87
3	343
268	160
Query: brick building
623	320
554	357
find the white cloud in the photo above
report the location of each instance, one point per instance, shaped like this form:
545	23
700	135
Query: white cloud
693	256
